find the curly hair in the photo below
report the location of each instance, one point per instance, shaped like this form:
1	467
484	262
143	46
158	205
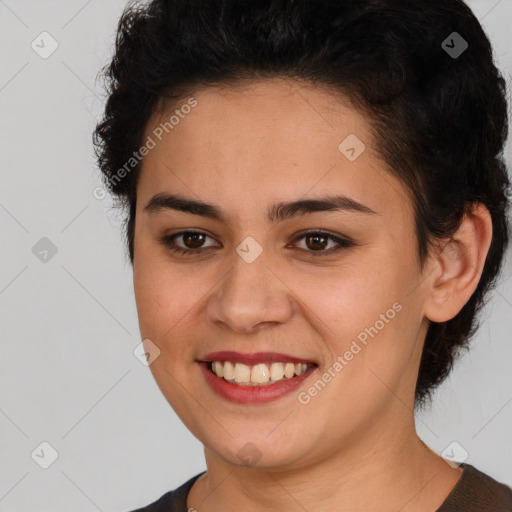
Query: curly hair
439	119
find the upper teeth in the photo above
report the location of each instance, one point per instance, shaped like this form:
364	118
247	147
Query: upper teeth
257	374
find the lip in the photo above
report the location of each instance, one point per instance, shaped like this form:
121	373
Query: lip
252	359
252	394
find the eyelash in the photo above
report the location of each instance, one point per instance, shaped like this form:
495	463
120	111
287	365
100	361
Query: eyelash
168	241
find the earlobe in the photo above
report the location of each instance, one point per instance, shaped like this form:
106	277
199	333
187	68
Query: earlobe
459	265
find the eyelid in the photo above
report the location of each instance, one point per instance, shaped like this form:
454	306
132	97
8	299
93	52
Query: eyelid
334	236
169	239
341	241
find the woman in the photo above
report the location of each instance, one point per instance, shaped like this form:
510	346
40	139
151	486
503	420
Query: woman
316	207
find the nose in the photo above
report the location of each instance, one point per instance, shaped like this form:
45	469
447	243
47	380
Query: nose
250	297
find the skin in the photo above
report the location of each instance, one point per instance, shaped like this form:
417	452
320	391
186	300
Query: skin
354	446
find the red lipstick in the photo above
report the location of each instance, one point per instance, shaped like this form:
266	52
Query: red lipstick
241	394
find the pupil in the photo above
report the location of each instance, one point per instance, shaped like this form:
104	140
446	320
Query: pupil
316	237
194	236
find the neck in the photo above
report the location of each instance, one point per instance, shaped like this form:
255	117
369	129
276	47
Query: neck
390	472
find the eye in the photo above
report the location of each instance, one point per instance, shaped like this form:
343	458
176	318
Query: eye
193	241
315	242
319	240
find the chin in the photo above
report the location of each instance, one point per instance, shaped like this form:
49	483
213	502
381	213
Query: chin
259	450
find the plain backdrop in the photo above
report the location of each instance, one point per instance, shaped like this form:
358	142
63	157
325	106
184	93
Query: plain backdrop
68	322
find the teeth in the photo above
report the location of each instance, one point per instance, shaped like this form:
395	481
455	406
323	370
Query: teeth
276	371
289	370
259	374
218	369
242	373
228	370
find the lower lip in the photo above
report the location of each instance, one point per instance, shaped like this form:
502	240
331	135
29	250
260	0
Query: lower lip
253	394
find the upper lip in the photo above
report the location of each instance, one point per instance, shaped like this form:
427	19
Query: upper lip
255	358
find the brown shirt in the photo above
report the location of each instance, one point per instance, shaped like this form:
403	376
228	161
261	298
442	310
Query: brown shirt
474	492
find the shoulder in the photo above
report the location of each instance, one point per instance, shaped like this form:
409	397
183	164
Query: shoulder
172	501
476	491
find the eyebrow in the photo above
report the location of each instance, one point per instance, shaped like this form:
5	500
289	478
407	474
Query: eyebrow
276	213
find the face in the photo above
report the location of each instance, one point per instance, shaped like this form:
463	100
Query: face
345	298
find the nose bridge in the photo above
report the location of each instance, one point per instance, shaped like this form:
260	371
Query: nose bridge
249	295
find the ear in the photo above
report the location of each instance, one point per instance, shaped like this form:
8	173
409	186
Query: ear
459	265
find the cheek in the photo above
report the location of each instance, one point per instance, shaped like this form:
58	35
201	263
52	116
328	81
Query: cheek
366	317
347	300
164	293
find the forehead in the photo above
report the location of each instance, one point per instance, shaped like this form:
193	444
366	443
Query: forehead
258	110
265	139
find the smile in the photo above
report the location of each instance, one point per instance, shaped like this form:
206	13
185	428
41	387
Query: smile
261	374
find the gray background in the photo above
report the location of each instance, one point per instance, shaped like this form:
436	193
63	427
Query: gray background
68	375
